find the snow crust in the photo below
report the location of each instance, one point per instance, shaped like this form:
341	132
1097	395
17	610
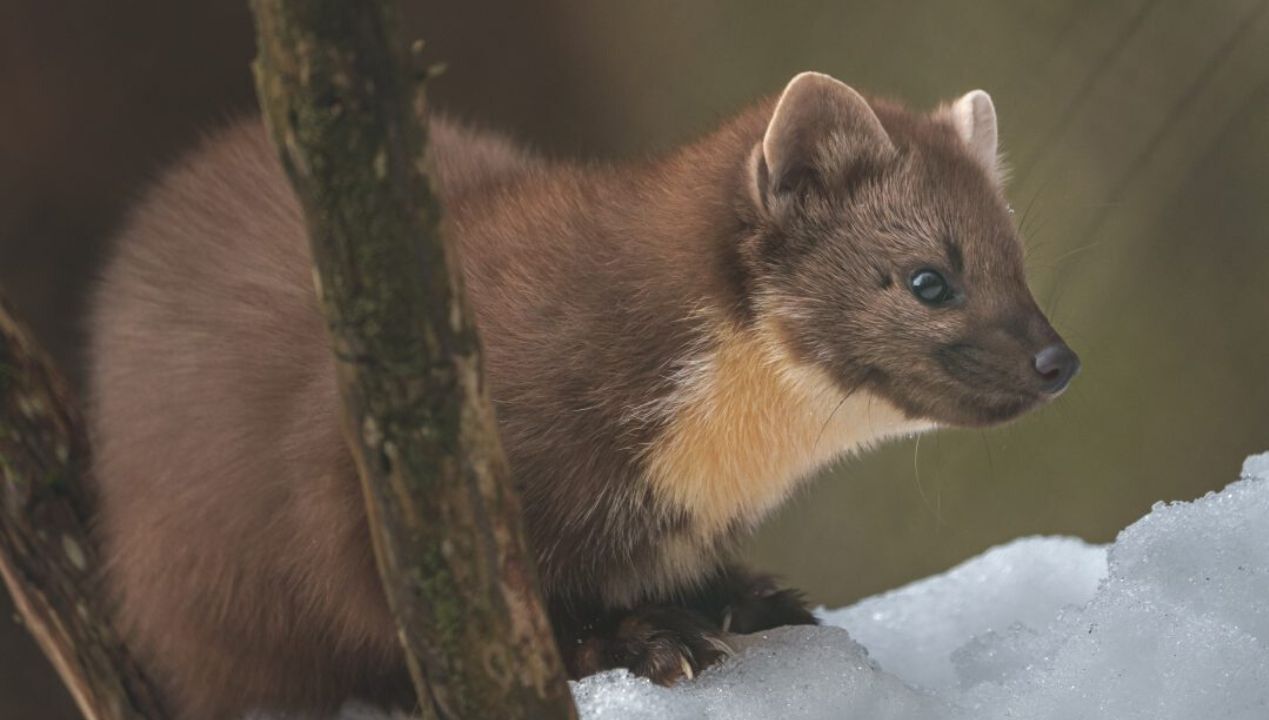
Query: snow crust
1170	622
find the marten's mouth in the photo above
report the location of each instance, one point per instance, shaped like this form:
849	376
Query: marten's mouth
984	398
995	410
978	399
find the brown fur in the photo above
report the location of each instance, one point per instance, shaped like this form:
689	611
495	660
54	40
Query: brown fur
670	348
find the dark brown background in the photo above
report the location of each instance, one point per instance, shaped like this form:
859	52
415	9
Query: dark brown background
1138	131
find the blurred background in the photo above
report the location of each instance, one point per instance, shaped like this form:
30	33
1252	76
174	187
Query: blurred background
1137	130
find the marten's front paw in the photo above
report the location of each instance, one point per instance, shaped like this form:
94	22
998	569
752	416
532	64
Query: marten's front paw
664	644
763	607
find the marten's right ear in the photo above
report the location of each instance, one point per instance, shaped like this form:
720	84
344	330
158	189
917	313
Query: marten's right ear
819	127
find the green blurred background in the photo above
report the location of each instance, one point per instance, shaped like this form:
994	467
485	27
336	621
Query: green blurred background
1138	133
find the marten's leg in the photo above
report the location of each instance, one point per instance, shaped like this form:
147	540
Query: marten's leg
740	601
664	643
670	642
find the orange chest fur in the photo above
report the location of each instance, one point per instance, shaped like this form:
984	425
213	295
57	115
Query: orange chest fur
747	425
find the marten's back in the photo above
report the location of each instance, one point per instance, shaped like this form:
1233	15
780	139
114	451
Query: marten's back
227	511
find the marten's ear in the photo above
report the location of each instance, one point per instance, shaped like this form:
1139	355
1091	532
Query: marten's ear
819	127
974	117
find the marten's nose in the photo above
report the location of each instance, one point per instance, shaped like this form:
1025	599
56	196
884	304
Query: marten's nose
1056	365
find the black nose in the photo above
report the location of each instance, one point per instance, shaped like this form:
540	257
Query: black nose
1057	364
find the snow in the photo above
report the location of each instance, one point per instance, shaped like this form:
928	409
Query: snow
913	631
795	672
1170	622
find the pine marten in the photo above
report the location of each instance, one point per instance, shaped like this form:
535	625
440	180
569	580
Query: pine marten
672	347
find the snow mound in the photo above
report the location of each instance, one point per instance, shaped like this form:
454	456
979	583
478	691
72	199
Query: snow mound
789	673
1171	622
913	631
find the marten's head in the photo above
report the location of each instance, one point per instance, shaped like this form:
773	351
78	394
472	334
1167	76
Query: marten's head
882	248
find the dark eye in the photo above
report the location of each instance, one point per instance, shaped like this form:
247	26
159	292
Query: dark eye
930	287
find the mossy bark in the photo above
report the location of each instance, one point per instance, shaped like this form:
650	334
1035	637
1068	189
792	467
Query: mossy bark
47	557
343	101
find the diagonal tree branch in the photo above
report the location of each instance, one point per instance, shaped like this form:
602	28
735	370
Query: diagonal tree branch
344	108
47	558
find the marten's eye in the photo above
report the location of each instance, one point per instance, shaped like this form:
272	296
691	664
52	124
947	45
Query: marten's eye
930	287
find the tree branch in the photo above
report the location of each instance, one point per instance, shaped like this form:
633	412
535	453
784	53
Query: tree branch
345	111
47	557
